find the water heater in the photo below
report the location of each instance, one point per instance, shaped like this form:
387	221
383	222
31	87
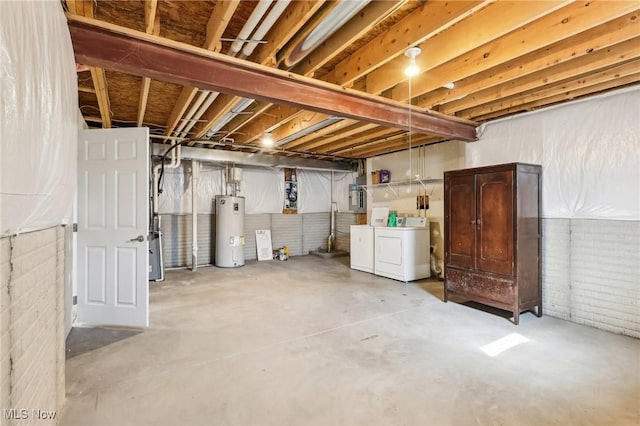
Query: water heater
229	231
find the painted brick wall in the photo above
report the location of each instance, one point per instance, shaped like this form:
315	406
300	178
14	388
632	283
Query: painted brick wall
605	275
591	273
556	268
32	315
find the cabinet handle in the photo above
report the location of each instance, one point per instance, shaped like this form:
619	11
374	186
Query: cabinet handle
473	222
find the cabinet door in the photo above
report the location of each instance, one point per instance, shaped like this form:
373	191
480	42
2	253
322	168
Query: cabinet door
494	221
460	211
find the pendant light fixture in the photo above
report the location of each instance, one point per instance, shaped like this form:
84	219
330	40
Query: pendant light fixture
267	139
412	70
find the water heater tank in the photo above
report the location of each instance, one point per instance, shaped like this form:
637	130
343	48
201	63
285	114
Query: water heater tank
229	231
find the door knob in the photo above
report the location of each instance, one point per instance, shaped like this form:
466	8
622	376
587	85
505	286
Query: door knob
139	238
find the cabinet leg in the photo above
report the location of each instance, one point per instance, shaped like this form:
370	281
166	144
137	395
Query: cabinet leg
516	317
539	310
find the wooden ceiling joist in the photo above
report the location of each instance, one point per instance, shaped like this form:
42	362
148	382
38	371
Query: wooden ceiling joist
140	54
609	34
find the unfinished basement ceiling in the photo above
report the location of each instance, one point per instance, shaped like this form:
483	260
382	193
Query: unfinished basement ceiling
503	58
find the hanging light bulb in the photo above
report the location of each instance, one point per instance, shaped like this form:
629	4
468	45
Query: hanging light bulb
412	70
267	140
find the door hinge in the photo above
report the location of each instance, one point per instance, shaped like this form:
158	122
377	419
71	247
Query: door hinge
75	227
75	300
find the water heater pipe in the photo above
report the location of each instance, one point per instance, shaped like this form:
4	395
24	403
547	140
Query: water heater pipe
175	162
332	233
195	177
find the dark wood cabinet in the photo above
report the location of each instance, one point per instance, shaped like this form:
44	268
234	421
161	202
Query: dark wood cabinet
493	236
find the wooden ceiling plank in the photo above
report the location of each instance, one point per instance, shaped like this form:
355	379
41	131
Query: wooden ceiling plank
100	84
600	37
486	25
632	79
568	85
343	128
602	59
564	23
225	103
353	30
275	115
98	76
430	19
152	26
150	8
295	16
383	147
142	102
243	120
184	100
302	121
218	21
72	6
140	54
360	139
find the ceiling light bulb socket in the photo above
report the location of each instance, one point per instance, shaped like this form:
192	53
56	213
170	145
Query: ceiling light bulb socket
412	52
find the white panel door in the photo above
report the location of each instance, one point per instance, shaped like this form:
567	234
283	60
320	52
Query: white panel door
113	223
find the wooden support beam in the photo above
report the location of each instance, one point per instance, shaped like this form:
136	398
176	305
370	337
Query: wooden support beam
140	54
218	21
152	26
137	53
100	85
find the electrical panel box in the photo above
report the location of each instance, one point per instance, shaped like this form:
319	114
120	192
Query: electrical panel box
358	195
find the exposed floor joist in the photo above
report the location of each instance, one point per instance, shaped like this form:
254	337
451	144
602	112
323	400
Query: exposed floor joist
137	53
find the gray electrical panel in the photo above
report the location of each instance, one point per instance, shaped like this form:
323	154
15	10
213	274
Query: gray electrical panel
358	195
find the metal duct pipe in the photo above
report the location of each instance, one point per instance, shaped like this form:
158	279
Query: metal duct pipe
195	177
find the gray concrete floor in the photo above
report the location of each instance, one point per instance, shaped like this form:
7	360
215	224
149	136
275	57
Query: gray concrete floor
311	342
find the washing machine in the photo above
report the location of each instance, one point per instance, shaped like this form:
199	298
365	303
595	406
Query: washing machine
402	253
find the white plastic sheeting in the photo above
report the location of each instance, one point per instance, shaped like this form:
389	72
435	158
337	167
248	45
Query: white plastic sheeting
263	189
38	117
589	151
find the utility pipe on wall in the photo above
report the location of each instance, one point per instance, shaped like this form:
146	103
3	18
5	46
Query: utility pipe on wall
195	177
332	232
175	162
